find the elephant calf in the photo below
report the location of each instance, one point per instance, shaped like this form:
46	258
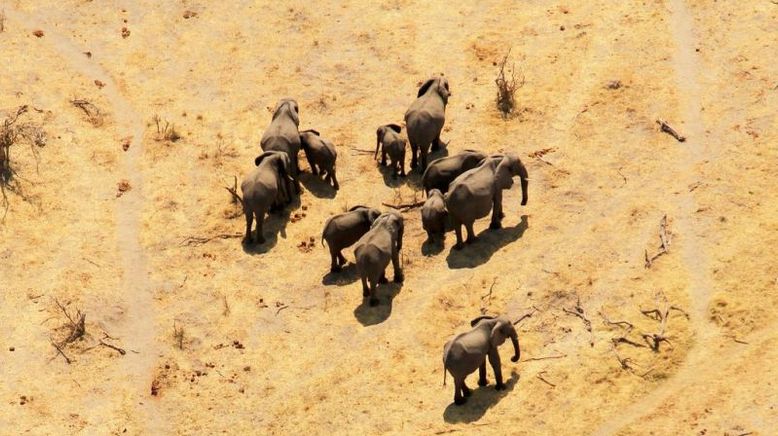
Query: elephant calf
467	352
320	153
433	215
380	245
441	172
343	230
394	145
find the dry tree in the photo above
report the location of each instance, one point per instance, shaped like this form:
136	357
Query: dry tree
13	132
506	88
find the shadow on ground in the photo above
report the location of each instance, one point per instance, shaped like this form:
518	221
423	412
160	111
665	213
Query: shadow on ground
371	315
275	225
317	186
482	399
347	275
489	242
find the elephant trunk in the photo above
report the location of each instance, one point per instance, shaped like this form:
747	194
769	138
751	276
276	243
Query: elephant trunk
524	183
516	350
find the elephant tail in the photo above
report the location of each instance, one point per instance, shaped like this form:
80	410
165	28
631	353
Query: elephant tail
446	349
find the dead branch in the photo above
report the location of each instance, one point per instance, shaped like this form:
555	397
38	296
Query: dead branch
664	240
622	175
236	199
406	206
200	240
93	113
120	350
579	312
61	353
625	363
623	324
526	315
487	297
624	340
77	328
664	127
655	339
545	357
540	376
362	151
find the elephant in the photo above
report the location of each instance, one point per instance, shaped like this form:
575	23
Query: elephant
441	172
466	352
473	193
381	244
320	153
388	135
282	135
264	188
425	117
433	215
343	230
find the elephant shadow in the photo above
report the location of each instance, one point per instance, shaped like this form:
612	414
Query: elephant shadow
371	315
481	400
317	186
432	247
489	242
389	178
275	225
347	275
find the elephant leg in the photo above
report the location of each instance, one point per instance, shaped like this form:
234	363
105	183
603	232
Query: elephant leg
382	278
482	374
383	157
260	222
365	289
398	270
341	259
470	233
333	178
296	175
437	143
494	360
458	232
497	214
423	153
466	392
249	221
414	152
402	164
373	298
459	399
334	254
311	164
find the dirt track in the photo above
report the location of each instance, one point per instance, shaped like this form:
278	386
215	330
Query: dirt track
275	344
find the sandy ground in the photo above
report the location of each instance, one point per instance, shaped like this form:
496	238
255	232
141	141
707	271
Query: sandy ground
271	342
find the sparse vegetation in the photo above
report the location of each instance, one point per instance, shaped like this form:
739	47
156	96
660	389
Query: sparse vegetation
13	132
165	130
93	113
178	336
506	88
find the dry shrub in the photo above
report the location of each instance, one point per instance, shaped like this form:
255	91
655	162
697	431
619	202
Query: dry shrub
506	88
165	130
13	132
93	113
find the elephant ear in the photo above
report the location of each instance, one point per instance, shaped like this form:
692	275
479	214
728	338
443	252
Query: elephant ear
262	157
315	132
424	87
503	174
479	319
395	127
443	88
359	206
497	337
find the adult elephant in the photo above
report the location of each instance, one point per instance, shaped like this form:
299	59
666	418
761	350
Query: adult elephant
424	119
283	135
467	352
343	230
477	191
375	249
441	172
263	188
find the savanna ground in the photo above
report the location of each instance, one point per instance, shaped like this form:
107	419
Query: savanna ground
264	340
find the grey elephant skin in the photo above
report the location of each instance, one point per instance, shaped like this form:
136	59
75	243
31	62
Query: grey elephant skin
425	117
441	172
343	230
321	155
467	352
475	192
264	188
433	215
282	135
391	143
375	249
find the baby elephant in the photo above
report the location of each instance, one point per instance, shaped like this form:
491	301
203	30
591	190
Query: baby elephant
433	215
320	153
467	352
343	230
393	145
381	244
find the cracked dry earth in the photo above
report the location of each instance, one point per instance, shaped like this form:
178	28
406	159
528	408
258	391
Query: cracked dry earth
139	233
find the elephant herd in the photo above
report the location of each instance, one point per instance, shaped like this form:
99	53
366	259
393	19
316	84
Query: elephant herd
460	189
